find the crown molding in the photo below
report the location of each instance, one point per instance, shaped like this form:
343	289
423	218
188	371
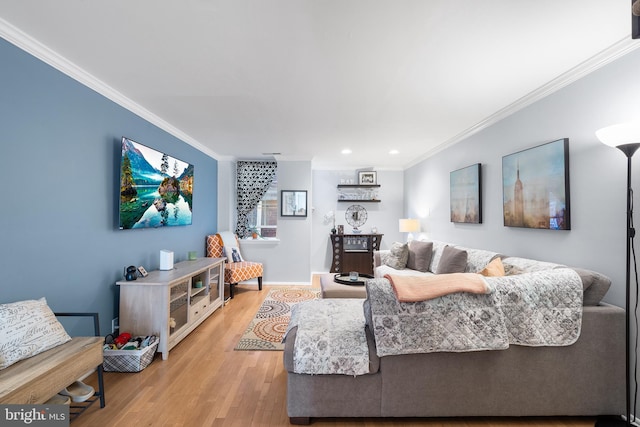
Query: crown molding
30	45
25	42
615	51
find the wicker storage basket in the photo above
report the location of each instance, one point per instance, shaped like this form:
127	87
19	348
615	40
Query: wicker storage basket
129	360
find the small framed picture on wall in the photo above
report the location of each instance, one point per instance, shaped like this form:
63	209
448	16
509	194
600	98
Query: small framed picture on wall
293	203
367	178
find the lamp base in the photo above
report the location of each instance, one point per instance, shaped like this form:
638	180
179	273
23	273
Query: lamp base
611	422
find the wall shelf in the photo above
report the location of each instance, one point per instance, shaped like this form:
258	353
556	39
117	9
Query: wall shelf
358	193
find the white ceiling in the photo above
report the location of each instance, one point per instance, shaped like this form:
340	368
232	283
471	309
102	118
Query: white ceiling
308	78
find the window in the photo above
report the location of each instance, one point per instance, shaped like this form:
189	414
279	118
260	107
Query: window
264	218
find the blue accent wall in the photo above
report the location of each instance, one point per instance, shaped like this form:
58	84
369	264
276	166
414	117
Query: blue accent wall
59	163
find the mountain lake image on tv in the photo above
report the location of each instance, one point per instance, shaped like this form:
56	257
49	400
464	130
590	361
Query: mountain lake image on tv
156	190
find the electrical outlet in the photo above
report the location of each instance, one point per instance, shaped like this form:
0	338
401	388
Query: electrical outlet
115	325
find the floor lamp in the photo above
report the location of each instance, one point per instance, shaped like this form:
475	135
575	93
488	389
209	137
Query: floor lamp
626	137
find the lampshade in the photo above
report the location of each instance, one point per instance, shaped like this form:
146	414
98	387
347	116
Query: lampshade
409	225
620	134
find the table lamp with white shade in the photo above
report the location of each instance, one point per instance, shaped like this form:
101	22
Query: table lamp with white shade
409	225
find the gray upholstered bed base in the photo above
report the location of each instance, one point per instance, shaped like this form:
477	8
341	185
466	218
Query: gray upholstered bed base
584	379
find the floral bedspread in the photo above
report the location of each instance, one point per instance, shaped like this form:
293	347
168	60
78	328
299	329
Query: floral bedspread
456	322
331	338
542	308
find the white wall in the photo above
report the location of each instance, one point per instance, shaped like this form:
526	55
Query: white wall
288	261
304	242
226	195
597	176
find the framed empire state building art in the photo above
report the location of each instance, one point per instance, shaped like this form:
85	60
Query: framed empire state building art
535	187
465	194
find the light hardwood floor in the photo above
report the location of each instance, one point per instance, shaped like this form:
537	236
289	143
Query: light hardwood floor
206	383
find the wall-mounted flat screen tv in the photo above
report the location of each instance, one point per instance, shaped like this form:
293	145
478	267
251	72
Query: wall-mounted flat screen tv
156	190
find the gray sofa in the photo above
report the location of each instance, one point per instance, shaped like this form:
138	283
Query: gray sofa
583	379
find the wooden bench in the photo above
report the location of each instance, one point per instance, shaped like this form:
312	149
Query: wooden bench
37	379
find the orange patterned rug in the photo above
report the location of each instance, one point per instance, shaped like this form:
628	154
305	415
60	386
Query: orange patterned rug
270	322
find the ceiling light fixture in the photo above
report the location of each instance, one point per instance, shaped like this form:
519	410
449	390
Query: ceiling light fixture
393	152
346	151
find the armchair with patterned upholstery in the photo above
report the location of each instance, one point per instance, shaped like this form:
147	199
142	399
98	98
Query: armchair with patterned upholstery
234	272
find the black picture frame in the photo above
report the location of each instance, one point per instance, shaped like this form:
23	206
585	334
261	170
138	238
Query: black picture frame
144	172
535	187
367	178
293	203
635	19
465	194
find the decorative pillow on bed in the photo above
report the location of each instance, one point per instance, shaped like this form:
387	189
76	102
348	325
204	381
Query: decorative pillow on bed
526	265
452	261
511	270
493	269
594	286
396	257
420	255
438	247
28	328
